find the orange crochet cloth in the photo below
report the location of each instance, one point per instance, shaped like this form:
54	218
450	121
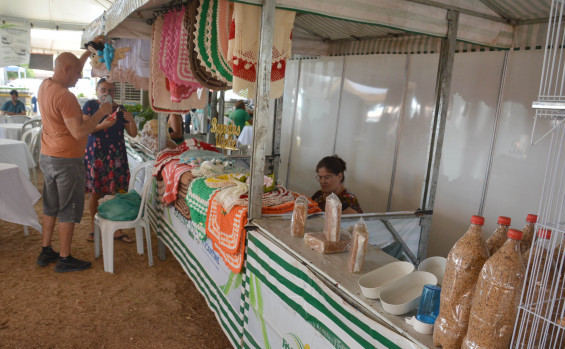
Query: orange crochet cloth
227	230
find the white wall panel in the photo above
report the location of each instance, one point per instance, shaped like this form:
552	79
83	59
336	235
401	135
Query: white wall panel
289	106
518	168
315	121
370	110
472	106
418	113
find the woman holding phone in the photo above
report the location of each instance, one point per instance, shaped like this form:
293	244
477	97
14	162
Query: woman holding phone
105	157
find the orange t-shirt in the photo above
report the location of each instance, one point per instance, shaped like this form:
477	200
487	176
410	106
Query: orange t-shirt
57	103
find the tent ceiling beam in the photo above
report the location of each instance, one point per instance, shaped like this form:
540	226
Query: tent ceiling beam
42	24
493	6
311	32
460	10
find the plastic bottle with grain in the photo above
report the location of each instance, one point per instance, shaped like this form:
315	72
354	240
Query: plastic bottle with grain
464	263
498	238
528	231
496	298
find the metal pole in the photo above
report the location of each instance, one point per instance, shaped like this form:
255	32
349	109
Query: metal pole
260	121
221	107
339	105
276	148
163	130
398	132
206	114
211	138
296	96
493	135
445	72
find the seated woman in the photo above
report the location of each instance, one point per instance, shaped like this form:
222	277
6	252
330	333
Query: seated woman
331	176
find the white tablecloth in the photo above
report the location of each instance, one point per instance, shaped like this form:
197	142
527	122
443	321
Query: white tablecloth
17	153
17	197
11	131
246	135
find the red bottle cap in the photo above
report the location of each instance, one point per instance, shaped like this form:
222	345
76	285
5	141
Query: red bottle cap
514	234
504	220
532	218
544	233
478	220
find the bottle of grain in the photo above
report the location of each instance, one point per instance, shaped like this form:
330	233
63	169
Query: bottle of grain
496	297
464	264
528	231
498	238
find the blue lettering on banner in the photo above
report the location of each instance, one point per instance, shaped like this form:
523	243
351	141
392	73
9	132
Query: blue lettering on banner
208	247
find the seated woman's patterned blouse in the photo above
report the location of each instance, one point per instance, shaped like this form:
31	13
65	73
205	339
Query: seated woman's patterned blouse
347	199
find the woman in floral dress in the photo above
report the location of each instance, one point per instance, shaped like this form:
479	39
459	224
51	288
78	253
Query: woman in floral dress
105	157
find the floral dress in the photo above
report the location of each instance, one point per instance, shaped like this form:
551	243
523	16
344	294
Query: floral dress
347	199
105	157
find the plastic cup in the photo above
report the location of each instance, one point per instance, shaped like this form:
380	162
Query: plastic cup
429	304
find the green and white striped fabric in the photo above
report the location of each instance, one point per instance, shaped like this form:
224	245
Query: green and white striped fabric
221	289
287	306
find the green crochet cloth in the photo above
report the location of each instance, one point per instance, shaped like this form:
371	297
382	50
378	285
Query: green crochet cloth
207	40
198	197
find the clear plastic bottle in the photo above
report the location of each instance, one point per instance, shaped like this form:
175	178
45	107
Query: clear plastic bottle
496	298
464	264
498	238
528	231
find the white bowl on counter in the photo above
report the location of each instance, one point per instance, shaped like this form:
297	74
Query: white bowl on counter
403	295
372	283
434	265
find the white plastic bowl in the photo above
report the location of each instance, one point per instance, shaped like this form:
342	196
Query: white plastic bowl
404	294
434	265
372	282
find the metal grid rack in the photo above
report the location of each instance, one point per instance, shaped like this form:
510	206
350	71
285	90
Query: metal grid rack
541	315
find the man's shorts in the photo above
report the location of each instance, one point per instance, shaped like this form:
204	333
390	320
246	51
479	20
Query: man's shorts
63	188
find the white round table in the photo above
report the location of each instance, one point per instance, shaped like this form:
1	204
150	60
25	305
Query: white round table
17	153
11	131
17	197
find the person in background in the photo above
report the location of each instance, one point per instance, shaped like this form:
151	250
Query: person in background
176	130
331	175
62	149
34	104
13	106
188	119
240	116
105	157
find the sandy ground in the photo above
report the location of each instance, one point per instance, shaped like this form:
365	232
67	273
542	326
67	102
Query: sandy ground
137	307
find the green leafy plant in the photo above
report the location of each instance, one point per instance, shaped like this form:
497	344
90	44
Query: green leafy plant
80	95
133	108
147	114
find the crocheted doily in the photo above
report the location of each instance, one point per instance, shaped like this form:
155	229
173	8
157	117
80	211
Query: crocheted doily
159	96
243	48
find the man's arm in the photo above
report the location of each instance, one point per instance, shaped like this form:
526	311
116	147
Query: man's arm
80	128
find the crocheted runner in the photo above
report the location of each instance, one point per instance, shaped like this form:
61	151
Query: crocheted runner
197	200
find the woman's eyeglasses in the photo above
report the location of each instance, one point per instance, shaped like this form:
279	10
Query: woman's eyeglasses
324	178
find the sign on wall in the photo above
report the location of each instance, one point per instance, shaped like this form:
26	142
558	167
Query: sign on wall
15	44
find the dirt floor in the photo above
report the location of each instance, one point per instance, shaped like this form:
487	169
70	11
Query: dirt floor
137	307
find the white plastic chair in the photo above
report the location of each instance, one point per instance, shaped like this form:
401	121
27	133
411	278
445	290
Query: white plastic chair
105	228
17	119
32	137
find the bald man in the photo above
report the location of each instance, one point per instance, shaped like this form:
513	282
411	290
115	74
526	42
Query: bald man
63	141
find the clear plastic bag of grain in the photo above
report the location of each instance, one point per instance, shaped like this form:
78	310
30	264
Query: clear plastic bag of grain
299	215
497	296
498	238
332	218
359	240
539	261
319	242
464	264
528	232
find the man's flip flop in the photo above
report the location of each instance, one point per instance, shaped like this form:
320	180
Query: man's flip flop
124	238
90	237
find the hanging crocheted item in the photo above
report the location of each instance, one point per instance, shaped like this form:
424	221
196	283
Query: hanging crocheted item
135	67
226	228
243	49
197	200
210	30
159	95
198	68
